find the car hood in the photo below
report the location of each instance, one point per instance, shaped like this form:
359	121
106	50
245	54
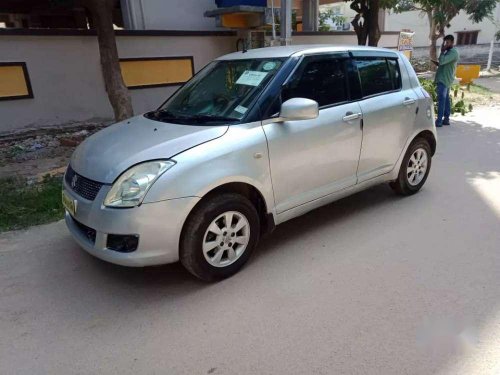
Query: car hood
108	153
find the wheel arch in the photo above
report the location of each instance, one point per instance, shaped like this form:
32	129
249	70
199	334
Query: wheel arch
249	191
429	137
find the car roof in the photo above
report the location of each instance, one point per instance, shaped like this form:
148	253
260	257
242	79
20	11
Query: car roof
299	50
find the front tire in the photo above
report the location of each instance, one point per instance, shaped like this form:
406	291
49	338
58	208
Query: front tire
219	236
414	169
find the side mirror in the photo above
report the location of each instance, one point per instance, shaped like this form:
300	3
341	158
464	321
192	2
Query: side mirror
299	109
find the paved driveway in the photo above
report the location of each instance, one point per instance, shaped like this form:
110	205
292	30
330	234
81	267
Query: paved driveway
373	284
492	83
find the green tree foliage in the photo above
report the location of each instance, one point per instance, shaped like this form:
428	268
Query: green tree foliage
440	13
329	15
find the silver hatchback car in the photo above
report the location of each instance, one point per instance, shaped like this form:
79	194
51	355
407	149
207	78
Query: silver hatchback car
254	139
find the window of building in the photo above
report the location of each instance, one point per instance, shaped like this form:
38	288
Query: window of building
378	75
467	37
320	78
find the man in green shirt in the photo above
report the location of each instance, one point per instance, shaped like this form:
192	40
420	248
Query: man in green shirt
445	76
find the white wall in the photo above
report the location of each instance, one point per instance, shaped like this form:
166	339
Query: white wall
416	21
168	14
66	76
342	38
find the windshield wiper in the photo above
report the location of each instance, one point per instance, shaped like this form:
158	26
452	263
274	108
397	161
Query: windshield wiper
164	115
207	117
184	118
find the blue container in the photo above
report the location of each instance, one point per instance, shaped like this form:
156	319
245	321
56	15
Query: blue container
231	3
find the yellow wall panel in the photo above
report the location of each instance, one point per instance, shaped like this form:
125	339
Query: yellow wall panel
139	73
13	81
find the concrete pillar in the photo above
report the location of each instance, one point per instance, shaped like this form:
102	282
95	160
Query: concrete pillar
310	15
315	14
307	21
133	14
128	21
286	22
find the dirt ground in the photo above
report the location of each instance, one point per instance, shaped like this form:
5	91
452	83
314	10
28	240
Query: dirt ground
372	284
35	153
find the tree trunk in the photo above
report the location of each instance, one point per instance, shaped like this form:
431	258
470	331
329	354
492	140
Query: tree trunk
374	28
435	32
432	39
360	28
432	52
118	95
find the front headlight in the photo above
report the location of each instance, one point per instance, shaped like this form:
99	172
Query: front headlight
131	187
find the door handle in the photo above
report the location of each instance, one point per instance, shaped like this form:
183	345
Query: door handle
408	101
349	116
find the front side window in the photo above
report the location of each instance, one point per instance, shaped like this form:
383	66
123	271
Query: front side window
222	92
320	78
376	76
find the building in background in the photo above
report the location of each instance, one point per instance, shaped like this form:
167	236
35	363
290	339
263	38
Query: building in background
465	31
50	72
49	62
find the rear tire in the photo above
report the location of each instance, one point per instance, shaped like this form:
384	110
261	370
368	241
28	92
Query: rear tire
213	249
414	169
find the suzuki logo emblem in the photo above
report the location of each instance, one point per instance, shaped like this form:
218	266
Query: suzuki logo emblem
73	181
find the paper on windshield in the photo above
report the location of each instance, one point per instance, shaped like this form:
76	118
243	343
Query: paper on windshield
251	78
241	109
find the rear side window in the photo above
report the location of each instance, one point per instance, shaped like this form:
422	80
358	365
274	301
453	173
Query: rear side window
395	74
320	78
378	75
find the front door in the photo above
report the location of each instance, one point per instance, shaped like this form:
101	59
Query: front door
310	159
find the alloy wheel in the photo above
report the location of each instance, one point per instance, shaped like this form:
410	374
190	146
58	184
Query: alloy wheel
417	167
226	239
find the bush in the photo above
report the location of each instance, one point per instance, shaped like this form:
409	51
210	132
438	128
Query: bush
457	106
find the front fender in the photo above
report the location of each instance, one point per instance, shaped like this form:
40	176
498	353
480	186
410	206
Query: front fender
240	155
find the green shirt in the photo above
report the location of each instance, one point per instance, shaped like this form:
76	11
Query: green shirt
447	67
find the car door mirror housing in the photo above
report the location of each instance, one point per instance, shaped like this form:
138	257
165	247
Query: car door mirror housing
299	109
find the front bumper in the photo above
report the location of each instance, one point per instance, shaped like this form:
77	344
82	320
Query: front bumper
158	226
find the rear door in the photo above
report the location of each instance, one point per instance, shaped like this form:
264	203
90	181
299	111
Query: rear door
389	111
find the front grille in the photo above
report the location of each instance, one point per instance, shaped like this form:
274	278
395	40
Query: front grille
88	232
83	186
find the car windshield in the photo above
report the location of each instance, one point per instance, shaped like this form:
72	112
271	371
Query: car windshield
221	93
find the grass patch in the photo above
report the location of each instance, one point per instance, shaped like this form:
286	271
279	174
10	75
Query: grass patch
480	90
23	205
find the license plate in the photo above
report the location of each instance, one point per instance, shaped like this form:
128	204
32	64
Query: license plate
69	203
